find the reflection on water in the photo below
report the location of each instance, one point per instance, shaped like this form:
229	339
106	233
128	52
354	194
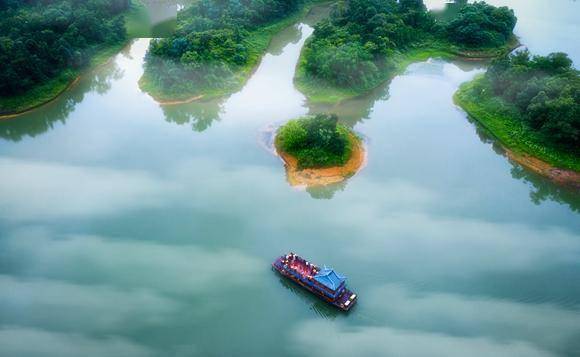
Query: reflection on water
42	119
290	35
200	115
124	235
319	307
326	192
273	76
543	26
397	326
356	110
541	188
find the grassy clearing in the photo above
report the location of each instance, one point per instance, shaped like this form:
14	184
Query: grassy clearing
501	120
50	90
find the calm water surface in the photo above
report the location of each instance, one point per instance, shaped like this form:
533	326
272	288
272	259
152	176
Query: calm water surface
129	229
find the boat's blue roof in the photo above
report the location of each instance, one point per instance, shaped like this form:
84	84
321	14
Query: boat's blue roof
329	278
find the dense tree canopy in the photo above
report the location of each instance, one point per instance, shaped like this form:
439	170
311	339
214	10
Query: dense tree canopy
39	39
317	141
212	30
212	40
545	91
353	47
482	25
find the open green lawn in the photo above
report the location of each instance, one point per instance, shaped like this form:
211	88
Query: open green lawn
501	121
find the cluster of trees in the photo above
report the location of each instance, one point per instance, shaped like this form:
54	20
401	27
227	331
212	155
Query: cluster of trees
353	47
212	40
545	90
317	141
482	25
39	39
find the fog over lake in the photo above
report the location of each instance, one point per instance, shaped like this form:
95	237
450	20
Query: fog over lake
132	229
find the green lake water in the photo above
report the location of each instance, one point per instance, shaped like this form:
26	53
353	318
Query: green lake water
130	229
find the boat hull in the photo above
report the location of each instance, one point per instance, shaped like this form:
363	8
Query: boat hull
343	301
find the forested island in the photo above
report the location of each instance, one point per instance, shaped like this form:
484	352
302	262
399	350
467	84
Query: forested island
215	48
44	44
366	42
532	105
318	151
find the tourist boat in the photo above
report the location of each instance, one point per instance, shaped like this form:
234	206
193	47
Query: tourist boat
325	283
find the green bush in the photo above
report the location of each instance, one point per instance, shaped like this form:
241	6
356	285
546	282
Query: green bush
42	40
482	25
545	90
361	40
213	41
316	142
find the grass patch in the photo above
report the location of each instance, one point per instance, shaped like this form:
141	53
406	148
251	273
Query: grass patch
52	88
501	120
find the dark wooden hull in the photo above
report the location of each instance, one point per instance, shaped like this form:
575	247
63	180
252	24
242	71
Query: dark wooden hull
339	302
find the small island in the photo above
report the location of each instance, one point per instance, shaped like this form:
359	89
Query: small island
318	151
365	43
215	49
531	104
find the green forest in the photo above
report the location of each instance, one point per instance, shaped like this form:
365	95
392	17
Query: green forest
365	41
44	43
215	46
532	103
316	142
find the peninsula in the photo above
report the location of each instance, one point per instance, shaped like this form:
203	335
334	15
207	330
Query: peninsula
45	45
215	48
366	42
532	105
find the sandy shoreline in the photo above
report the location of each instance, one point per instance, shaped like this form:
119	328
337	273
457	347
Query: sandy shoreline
328	175
559	176
177	102
73	83
30	109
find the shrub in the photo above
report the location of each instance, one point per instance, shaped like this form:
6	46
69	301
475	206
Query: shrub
482	25
317	141
546	92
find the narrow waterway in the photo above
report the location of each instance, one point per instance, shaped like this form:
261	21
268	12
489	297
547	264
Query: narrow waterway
131	229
